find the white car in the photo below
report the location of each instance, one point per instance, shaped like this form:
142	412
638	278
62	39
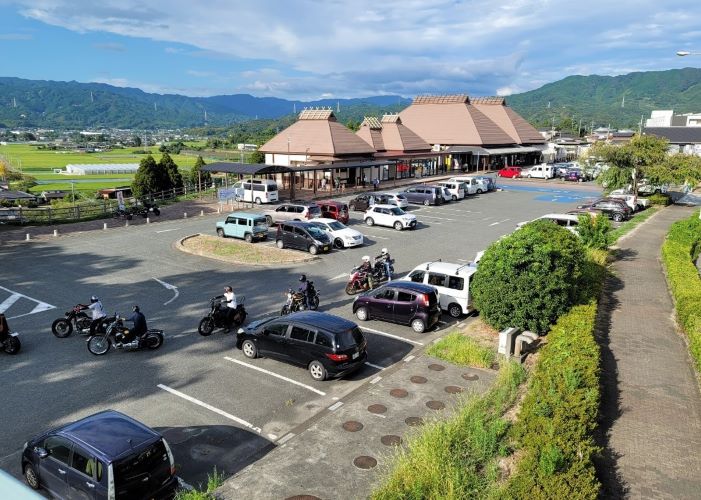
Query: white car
568	221
341	235
635	203
456	189
397	199
390	216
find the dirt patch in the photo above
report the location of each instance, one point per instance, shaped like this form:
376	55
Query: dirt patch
240	252
482	333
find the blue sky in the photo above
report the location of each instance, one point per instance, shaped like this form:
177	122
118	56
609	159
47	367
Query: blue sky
309	49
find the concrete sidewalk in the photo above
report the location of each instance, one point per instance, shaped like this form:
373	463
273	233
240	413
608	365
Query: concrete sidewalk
651	405
341	455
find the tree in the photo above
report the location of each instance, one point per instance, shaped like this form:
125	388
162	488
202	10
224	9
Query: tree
676	169
257	157
197	177
530	278
136	141
150	178
594	231
175	180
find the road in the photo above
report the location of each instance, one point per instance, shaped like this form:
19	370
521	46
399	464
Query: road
215	406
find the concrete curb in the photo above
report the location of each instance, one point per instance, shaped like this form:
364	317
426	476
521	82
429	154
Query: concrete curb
179	245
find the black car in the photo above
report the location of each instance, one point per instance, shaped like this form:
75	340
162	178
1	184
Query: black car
614	209
302	236
362	202
104	456
402	302
328	346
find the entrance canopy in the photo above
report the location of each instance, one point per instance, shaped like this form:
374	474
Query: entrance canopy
246	168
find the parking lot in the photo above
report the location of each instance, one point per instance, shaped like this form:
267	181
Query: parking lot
215	406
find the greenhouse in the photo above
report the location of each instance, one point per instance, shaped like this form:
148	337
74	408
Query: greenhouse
106	168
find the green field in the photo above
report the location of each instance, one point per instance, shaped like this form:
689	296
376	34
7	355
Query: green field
40	164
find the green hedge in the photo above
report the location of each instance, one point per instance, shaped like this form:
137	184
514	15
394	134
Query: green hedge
679	252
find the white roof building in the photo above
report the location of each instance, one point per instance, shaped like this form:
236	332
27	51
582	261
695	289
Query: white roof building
106	168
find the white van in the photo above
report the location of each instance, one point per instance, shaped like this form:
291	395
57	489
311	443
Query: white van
455	188
452	281
256	190
542	171
470	182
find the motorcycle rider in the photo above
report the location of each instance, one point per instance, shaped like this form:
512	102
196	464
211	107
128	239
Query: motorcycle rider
303	288
366	268
139	321
4	329
385	259
231	305
98	313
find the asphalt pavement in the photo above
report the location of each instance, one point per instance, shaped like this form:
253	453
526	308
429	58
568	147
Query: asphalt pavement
215	406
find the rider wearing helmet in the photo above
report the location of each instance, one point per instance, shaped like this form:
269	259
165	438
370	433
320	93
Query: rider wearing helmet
98	313
139	321
366	268
385	260
303	288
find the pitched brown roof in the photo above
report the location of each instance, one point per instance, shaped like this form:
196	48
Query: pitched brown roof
452	120
371	132
317	133
371	122
391	135
508	120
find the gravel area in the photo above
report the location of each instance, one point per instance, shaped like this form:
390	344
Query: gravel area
240	252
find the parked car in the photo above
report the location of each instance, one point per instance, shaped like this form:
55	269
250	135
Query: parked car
456	189
424	195
614	209
574	175
302	236
510	172
401	302
104	456
471	184
256	190
334	210
561	169
364	201
447	197
250	227
568	221
326	345
542	171
488	181
451	281
292	211
395	198
646	189
341	236
390	216
636	203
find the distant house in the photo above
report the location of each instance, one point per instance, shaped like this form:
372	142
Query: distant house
681	139
112	192
47	196
15	196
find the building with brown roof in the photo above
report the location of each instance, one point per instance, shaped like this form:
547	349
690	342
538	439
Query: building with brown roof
389	136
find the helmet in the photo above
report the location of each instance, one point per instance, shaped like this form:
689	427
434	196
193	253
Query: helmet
135	308
303	277
366	258
94	299
384	251
228	289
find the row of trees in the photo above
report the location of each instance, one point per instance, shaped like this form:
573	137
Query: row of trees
164	175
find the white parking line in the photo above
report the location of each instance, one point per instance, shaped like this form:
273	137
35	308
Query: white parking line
385	334
380	237
7	303
434	217
499	222
267	372
375	366
344	275
210	408
335	406
167	230
286	438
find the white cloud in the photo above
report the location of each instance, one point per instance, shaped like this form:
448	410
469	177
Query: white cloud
356	47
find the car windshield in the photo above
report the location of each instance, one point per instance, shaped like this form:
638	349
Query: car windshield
396	211
260	223
336	226
315	232
314	209
401	197
349	338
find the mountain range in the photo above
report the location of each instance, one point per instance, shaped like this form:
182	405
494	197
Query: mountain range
618	101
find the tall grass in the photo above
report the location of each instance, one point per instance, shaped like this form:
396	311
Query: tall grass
214	480
462	350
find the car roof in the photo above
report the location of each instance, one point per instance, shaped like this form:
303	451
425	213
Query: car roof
327	321
409	285
298	223
446	268
327	220
332	202
109	433
245	214
558	216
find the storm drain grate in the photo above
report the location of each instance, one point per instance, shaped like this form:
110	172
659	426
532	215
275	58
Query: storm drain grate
418	379
391	440
377	408
414	421
435	405
470	376
364	462
352	426
436	367
398	393
453	389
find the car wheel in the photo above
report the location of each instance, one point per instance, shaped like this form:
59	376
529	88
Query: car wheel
369	221
249	349
220	233
258	201
248	237
455	198
362	314
280	244
426	203
313	249
30	475
338	243
455	310
418	325
268	220
398	226
317	371
479	191
617	217
528	176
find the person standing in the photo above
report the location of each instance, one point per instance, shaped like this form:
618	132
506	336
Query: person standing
375	184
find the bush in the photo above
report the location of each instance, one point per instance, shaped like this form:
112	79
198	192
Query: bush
529	278
461	350
660	199
595	232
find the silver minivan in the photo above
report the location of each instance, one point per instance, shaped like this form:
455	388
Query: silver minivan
424	195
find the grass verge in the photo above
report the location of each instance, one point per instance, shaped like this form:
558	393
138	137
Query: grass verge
462	350
240	252
456	458
679	252
214	481
630	224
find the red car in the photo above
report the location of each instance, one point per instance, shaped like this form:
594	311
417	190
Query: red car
334	210
510	172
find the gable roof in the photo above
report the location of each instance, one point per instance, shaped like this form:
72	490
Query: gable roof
452	120
317	133
676	135
508	120
390	134
371	132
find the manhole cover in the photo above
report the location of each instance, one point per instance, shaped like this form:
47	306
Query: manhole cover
391	440
303	497
435	405
414	421
398	393
453	389
436	368
352	426
377	408
418	379
470	376
364	462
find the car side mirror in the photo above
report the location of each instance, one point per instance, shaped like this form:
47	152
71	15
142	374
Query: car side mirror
41	452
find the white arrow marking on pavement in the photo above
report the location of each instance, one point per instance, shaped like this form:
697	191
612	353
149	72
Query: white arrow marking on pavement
7	303
40	306
338	277
169	287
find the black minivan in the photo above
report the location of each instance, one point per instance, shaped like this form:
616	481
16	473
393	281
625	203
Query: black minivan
107	455
328	346
302	236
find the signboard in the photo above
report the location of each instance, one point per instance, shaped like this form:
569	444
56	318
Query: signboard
226	194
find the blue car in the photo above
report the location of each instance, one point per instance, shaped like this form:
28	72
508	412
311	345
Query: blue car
107	455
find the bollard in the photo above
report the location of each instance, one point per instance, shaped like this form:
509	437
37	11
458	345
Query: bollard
55	232
201	212
104	225
27	236
148	220
185	215
126	224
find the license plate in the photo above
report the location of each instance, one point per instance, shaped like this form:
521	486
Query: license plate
356	355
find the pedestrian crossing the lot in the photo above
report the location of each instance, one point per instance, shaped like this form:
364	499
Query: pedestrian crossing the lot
15	305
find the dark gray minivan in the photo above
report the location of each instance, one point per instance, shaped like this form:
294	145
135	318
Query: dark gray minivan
424	195
302	236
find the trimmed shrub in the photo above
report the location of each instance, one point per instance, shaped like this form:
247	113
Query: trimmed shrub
529	278
660	199
594	231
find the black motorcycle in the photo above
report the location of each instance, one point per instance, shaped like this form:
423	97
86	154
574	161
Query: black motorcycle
312	296
123	213
75	319
121	337
145	209
294	303
218	316
11	345
379	273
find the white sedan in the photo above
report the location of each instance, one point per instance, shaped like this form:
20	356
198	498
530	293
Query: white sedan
390	216
341	235
397	199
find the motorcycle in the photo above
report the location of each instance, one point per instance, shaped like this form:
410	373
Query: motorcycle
380	271
217	317
312	296
120	337
11	345
145	209
123	213
295	302
76	319
358	282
